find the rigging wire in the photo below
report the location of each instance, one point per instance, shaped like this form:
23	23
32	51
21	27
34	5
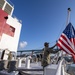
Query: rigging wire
51	43
63	25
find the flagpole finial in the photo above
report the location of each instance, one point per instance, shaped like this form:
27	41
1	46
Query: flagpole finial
69	9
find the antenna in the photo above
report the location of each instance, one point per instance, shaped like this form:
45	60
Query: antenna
68	16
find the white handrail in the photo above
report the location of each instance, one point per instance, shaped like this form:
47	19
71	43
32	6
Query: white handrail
59	69
56	56
63	71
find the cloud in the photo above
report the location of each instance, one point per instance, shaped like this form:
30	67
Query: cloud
23	44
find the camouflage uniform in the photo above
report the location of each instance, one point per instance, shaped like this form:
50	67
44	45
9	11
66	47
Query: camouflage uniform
46	55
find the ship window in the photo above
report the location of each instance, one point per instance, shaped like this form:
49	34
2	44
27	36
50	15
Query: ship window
8	9
1	3
12	29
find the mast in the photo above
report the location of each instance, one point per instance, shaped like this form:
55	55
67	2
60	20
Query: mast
68	16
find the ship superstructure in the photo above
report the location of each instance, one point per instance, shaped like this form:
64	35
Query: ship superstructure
10	27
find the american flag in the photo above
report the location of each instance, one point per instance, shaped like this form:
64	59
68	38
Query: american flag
66	41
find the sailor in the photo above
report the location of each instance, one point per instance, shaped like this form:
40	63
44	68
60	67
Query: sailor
46	54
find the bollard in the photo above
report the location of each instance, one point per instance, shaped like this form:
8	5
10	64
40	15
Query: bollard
19	62
28	62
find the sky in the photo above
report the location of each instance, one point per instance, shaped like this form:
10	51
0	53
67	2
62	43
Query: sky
42	21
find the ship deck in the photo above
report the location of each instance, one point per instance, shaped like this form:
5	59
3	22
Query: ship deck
35	69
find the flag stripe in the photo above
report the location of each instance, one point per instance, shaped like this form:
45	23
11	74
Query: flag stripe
63	47
72	40
66	39
66	46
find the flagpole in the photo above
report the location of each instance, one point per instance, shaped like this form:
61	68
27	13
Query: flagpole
68	19
68	16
